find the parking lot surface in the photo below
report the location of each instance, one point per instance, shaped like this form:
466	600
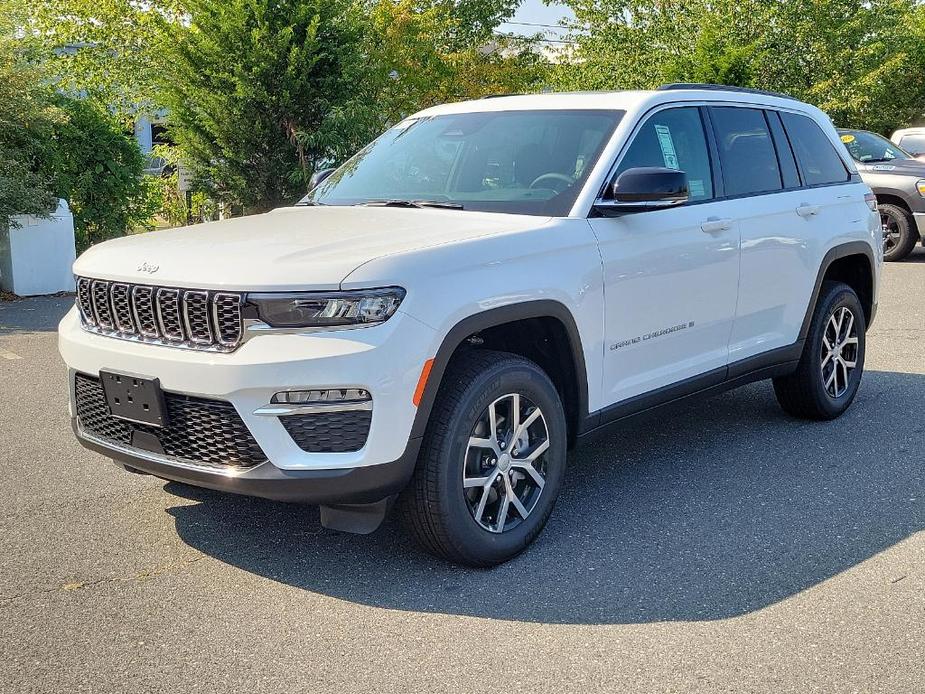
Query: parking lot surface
719	547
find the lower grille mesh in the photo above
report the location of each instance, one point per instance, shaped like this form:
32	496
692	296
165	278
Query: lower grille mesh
329	432
207	433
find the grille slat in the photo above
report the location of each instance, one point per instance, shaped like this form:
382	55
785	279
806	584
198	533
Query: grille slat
207	433
188	318
167	302
122	309
99	293
143	305
84	301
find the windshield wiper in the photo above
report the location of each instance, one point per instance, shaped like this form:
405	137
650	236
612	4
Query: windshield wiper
413	203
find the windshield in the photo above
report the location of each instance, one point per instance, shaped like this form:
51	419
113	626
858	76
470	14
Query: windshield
868	148
523	162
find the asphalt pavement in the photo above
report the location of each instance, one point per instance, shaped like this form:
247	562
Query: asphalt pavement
719	547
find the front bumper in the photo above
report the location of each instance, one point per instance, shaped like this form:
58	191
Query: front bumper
919	218
362	485
385	360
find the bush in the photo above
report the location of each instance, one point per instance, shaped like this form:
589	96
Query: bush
99	171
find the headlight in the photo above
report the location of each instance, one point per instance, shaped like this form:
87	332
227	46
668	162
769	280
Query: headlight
327	309
920	186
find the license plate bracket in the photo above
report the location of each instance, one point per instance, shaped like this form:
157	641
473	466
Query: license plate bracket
135	398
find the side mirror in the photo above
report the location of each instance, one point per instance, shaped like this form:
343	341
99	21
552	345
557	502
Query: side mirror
319	177
644	188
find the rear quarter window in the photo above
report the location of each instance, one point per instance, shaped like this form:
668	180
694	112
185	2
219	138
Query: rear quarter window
815	153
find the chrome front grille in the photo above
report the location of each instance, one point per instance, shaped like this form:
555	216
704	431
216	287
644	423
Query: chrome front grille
188	318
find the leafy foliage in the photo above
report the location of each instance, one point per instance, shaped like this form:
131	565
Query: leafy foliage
108	50
98	170
862	61
245	77
27	124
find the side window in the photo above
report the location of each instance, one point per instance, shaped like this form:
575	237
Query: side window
785	158
914	144
818	159
746	151
675	139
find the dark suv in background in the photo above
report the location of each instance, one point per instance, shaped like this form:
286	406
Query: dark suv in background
898	180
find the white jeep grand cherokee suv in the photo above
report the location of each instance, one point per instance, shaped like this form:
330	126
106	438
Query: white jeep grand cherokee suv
486	284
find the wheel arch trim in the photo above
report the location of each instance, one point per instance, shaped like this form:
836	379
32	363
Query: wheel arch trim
491	318
837	253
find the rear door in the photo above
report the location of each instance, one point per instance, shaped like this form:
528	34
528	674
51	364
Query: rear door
787	171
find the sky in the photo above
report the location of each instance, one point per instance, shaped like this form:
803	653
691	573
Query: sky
536	12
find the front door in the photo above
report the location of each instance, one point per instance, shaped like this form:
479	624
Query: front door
670	276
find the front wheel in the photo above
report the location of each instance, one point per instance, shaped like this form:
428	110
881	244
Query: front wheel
491	462
829	373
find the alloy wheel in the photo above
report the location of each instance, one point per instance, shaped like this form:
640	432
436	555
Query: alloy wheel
839	351
891	232
504	471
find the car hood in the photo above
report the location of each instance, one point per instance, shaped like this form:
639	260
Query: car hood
908	167
289	248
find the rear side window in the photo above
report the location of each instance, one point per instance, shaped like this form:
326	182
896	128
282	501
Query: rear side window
746	151
818	159
674	139
914	144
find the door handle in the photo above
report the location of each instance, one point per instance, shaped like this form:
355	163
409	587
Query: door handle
806	210
714	224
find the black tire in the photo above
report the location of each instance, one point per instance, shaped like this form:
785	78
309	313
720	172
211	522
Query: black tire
899	232
806	393
435	505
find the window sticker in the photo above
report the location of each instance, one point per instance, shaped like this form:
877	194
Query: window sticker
846	138
668	152
696	188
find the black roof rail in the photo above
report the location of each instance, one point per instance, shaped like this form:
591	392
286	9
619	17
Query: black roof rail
500	96
676	86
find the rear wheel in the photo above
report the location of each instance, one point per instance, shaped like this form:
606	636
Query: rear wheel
830	369
491	463
899	233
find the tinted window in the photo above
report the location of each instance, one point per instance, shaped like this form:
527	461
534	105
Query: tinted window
745	151
526	162
818	159
674	139
869	148
913	143
788	165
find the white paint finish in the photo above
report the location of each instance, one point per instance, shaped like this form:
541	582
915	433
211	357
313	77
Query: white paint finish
36	258
781	255
620	279
556	261
386	360
661	270
289	248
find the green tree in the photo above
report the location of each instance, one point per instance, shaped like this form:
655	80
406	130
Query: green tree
245	77
27	125
109	50
99	171
426	52
863	61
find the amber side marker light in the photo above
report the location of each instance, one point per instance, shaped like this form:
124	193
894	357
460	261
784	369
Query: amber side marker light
422	382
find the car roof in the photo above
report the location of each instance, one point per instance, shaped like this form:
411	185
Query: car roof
629	101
